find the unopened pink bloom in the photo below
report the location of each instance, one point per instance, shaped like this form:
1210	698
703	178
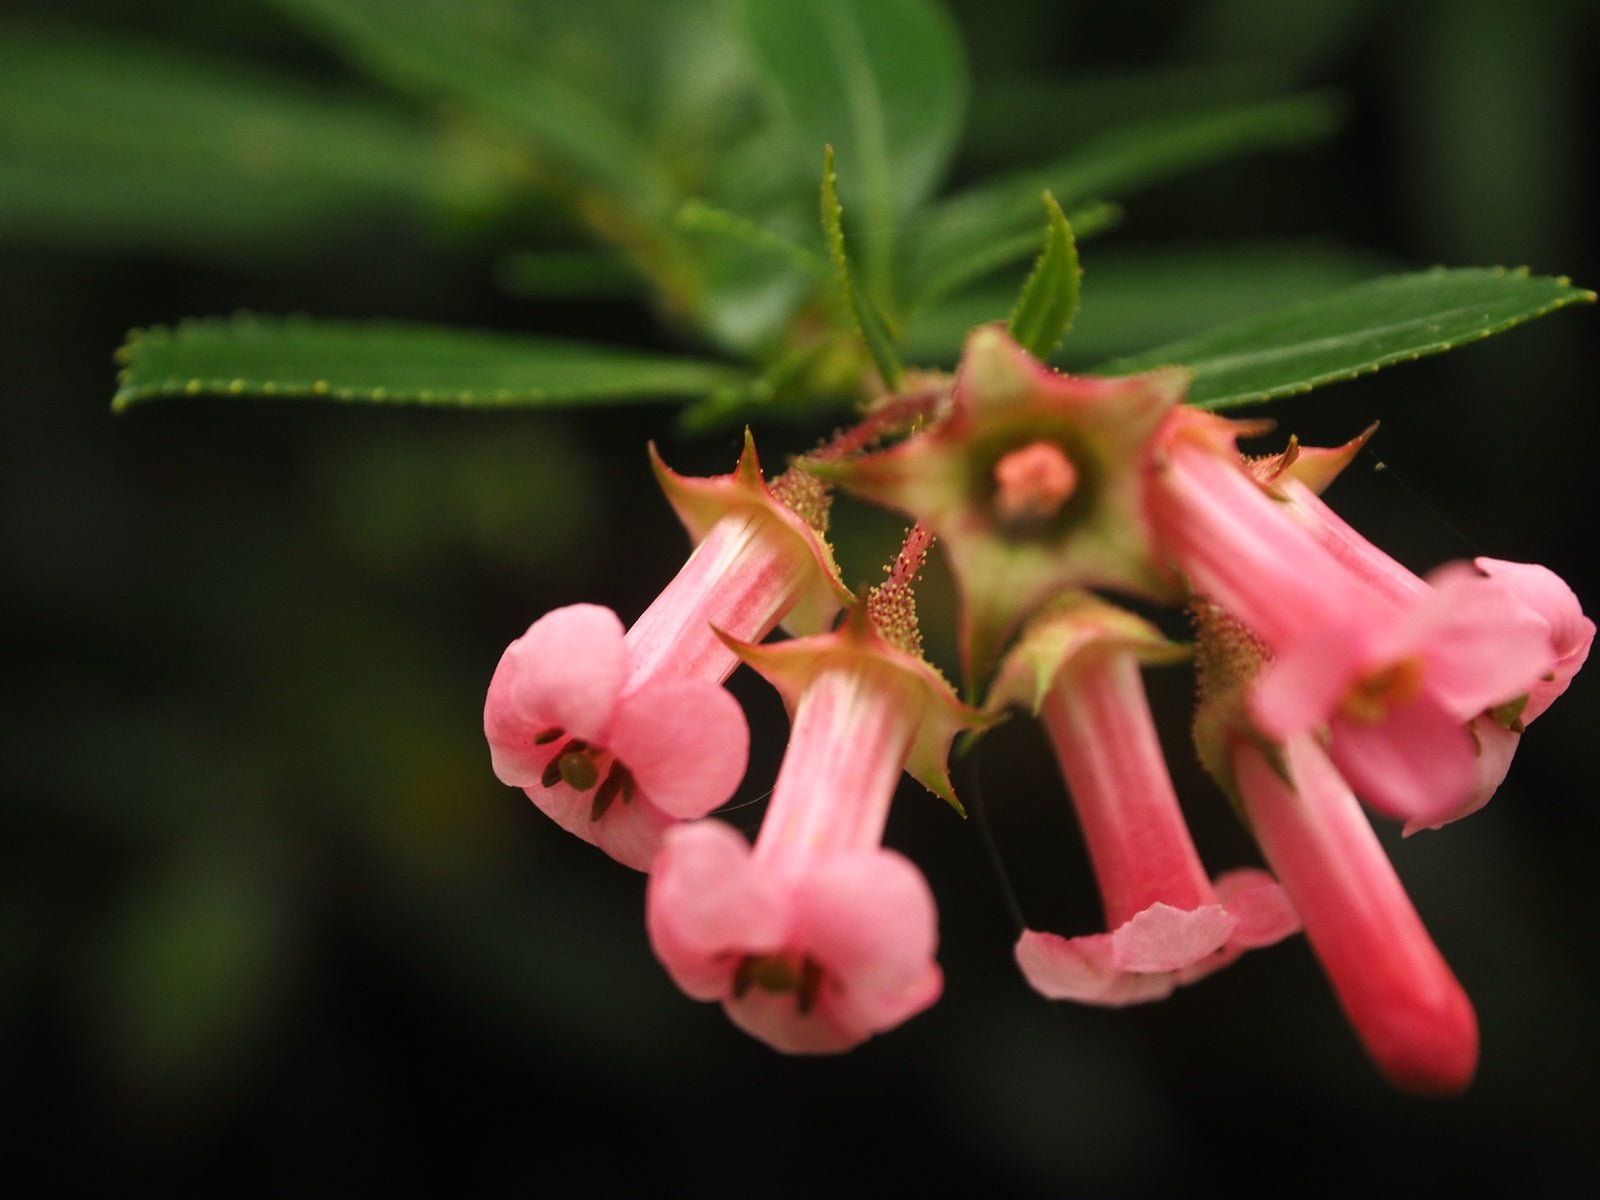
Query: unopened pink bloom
1169	924
818	937
1396	989
616	736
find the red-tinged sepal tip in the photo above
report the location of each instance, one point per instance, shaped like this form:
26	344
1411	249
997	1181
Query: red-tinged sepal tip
857	644
1314	466
702	502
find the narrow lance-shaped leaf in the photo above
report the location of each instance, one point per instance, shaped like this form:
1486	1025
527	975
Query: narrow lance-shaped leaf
116	143
391	362
789	384
1111	165
869	322
1086	220
1395	319
698	217
1049	299
486	55
883	82
1145	297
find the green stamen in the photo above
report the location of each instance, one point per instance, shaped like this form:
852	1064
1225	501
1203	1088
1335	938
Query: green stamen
578	769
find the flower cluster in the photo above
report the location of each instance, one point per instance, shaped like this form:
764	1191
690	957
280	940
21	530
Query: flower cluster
1329	677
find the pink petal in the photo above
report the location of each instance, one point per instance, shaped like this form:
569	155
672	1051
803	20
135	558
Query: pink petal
1164	938
1297	692
1418	764
1082	969
707	905
684	741
1481	643
869	918
1495	748
772	1017
1262	909
570	668
1570	632
630	833
516	760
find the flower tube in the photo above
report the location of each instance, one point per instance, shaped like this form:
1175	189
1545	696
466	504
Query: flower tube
1396	989
1078	663
617	735
817	937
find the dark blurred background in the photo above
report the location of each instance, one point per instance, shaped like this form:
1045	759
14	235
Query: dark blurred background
268	922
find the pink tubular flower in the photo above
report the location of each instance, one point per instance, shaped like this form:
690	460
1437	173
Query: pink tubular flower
1394	672
617	736
818	937
1544	603
1078	663
1397	991
1033	481
1397	688
1236	546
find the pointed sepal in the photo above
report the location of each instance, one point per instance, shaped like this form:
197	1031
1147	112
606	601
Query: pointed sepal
856	645
701	502
1071	625
1034	482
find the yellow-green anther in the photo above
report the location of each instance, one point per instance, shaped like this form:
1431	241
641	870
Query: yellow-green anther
578	769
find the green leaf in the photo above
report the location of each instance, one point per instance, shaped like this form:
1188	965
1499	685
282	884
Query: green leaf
390	362
490	56
882	82
1049	299
696	216
1003	126
114	144
1113	164
869	322
1147	296
1086	221
788	384
1396	319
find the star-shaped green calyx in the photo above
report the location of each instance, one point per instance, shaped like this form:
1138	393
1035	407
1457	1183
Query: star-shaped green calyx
1034	482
